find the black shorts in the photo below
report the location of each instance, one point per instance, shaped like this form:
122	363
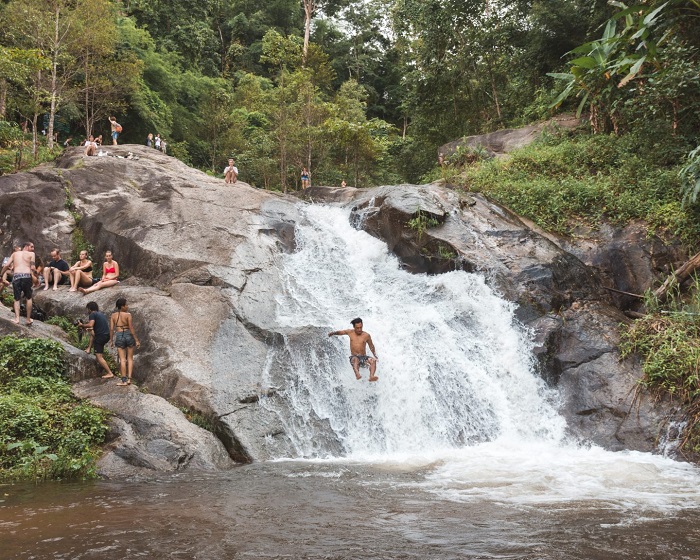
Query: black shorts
99	343
22	286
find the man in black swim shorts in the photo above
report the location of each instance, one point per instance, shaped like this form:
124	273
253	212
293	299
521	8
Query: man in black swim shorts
22	263
359	340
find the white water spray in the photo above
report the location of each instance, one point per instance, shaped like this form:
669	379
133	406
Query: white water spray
454	366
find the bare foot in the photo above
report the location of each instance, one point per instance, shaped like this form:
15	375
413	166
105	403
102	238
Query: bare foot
30	322
46	288
358	376
108	376
55	287
82	291
123	384
16	321
375	378
88	350
72	290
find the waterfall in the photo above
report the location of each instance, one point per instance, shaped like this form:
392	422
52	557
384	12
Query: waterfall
455	366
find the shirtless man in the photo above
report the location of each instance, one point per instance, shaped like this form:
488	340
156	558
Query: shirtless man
358	349
23	266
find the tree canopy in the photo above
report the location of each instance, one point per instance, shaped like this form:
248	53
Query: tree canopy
360	90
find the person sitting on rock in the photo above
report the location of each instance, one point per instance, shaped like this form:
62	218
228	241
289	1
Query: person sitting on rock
81	273
110	275
7	274
56	271
90	146
38	274
230	172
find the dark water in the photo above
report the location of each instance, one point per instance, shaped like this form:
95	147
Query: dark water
319	511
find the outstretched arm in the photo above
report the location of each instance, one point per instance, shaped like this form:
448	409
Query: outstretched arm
338	333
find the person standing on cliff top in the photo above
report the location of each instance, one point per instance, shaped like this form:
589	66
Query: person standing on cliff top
359	340
23	265
116	128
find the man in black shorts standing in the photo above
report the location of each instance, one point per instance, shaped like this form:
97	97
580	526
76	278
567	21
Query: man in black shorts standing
22	263
97	321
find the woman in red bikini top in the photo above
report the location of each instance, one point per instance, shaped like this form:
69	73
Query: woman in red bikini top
110	275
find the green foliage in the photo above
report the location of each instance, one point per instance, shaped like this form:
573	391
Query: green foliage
667	340
562	183
6	297
198	418
34	357
45	432
421	222
690	177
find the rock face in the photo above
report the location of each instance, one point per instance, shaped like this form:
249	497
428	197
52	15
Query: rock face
504	141
199	269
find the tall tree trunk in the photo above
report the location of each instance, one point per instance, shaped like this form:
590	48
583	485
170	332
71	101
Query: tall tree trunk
35	138
3	97
54	78
88	127
309	7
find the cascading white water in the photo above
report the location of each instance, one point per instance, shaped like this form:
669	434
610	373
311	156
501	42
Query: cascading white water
454	366
457	394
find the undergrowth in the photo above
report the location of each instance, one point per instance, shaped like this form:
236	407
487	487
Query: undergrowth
45	431
667	339
569	179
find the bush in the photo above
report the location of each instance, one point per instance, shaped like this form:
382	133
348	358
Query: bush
668	341
560	183
45	431
36	357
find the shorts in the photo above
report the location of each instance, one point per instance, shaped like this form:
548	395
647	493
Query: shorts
362	359
22	284
99	343
124	339
114	134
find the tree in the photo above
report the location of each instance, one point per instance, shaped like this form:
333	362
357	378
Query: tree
65	31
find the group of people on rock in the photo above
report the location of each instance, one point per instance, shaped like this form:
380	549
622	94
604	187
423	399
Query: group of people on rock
27	272
24	271
157	142
92	143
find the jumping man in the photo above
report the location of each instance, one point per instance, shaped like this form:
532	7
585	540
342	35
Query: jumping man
358	349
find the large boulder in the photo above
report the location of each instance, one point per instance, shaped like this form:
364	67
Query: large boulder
197	260
502	142
199	268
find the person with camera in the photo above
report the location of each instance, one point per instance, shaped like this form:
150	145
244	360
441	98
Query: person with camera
98	323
